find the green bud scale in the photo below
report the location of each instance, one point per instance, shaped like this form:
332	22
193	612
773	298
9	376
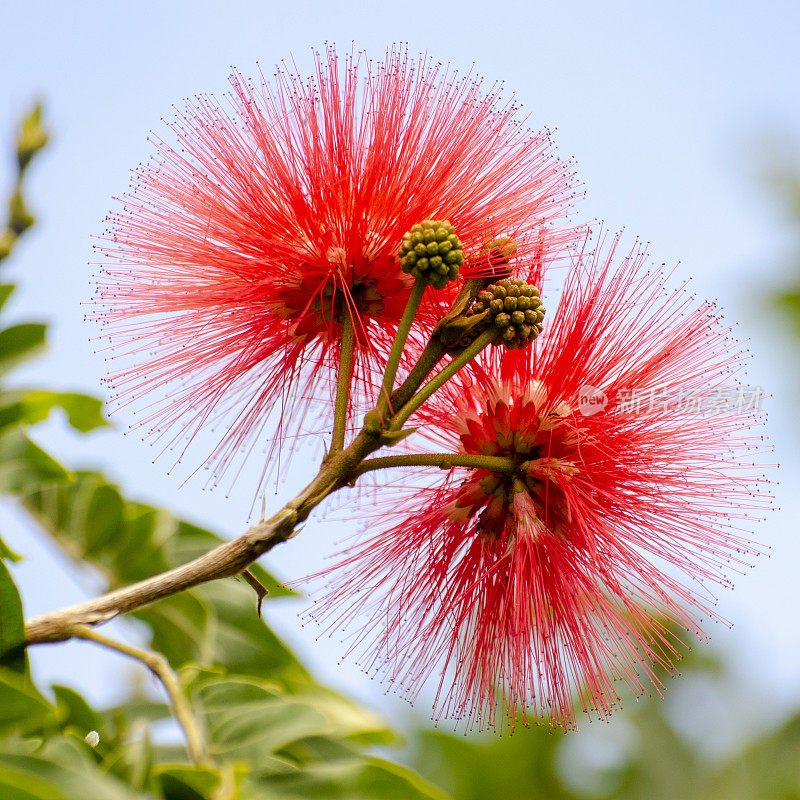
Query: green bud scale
432	251
499	253
515	310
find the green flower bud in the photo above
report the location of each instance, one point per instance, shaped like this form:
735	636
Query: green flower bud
432	249
32	137
515	310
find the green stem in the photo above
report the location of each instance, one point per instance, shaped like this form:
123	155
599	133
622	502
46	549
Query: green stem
441	460
160	667
343	382
393	362
442	377
436	347
432	354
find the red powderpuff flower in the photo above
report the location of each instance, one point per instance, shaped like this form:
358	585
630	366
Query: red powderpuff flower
627	486
281	207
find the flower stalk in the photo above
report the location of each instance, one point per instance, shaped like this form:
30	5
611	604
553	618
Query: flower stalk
461	360
403	329
344	379
441	460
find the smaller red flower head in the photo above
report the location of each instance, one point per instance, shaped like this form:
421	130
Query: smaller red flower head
618	480
282	207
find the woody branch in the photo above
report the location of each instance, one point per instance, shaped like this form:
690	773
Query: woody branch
235	556
338	470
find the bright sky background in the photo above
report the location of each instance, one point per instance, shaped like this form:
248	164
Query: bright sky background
672	112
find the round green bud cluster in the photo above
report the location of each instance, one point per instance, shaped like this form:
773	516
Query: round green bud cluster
515	310
431	250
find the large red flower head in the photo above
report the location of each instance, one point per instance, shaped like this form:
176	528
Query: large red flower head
612	481
282	206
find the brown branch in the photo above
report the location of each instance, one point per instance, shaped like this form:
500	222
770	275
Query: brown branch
235	556
224	561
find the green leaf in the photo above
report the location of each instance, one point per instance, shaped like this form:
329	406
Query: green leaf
240	640
136	712
667	767
99	515
19	343
75	712
12	623
5	292
24	464
188	783
22	708
183	628
70	766
355	778
767	769
22	785
7	553
84	413
143	544
248	720
346	720
19	215
257	721
137	542
473	768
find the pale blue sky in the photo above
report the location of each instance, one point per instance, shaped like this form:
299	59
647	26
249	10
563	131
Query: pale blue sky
670	110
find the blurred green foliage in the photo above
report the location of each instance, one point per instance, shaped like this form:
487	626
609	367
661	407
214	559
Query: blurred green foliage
652	759
272	730
787	299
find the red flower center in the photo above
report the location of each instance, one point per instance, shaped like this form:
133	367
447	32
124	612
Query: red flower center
533	497
317	304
